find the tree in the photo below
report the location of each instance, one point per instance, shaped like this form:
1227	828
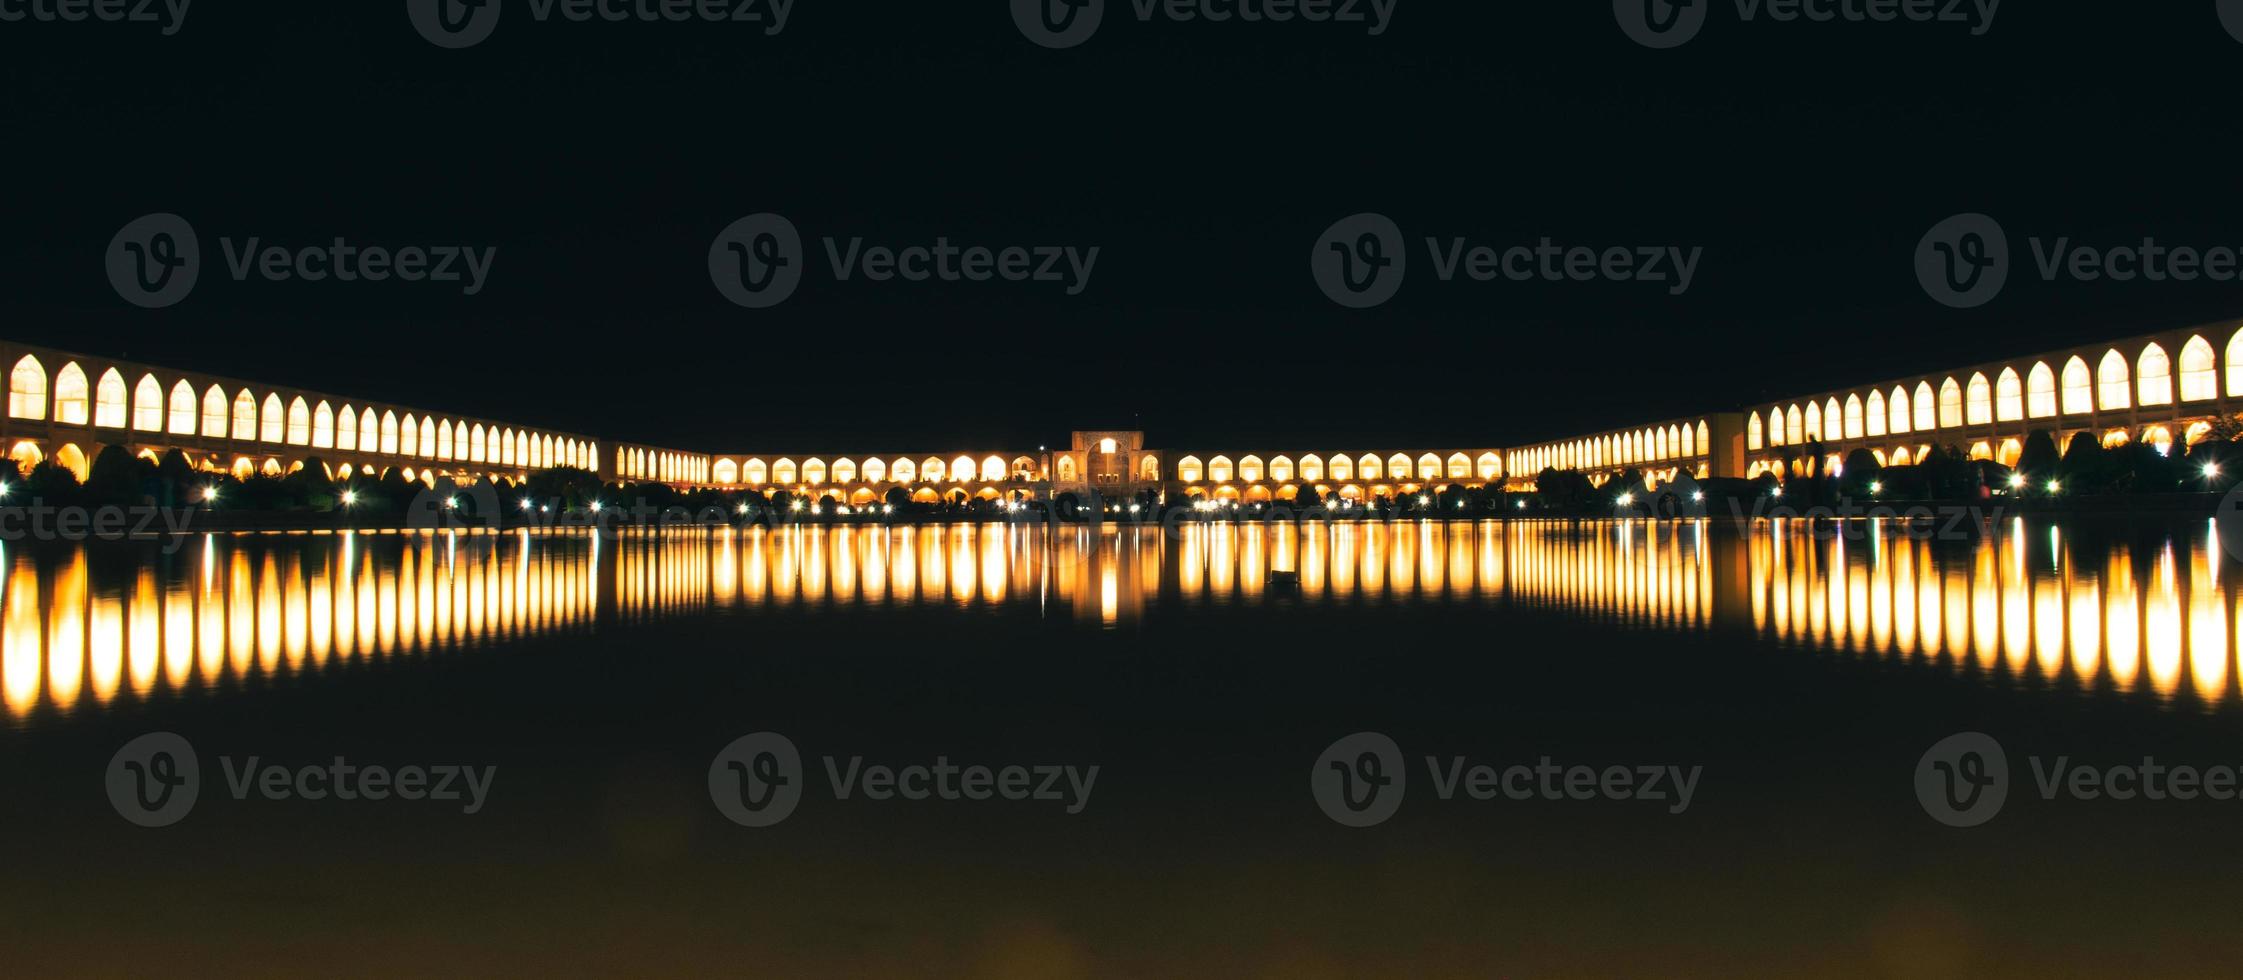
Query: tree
2038	460
114	478
1861	470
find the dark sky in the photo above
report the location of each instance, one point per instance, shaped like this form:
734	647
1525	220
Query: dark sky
1202	159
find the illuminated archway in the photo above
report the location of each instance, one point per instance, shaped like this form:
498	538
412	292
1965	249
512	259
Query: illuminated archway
245	419
1896	408
2111	383
148	405
2200	377
1978	404
1188	470
71	396
27	389
272	421
2040	391
2153	379
1950	404
109	408
26	454
182	414
2009	396
1873	414
1340	468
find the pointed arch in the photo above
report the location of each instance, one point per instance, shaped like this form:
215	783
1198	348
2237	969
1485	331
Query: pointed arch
445	447
784	471
27	389
2040	391
2153	377
1896	411
72	396
148	405
2113	390
323	425
2009	396
1978	400
813	471
1340	467
1873	414
272	424
1753	429
1250	468
875	470
428	438
109	407
2200	376
1814	422
1950	404
182	414
2079	387
478	449
245	417
299	422
1280	469
1460	466
1398	467
1794	426
754	473
1926	407
1220	469
903	470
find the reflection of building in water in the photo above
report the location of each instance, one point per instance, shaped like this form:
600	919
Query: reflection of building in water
2029	605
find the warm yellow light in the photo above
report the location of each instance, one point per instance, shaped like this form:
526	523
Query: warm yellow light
2017	479
210	493
350	497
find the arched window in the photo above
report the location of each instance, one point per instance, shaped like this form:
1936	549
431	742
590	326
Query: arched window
369	430
273	422
844	471
389	434
1219	469
903	470
1066	467
346	429
2200	377
1950	404
2079	388
1189	470
1398	467
2111	387
1280	468
1794	426
1340	468
962	469
1460	466
2235	364
1368	467
71	395
27	389
1853	425
2154	377
148	404
1704	439
109	408
1312	467
323	426
813	471
182	422
445	447
299	423
1873	413
1490	467
1814	422
727	472
1927	405
1776	427
1979	406
245	416
2009	396
1896	411
409	436
875	470
428	438
931	469
1429	467
783	471
993	469
2040	391
754	473
1250	469
214	413
1753	429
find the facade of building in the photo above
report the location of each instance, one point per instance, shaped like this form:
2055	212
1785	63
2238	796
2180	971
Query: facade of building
2165	389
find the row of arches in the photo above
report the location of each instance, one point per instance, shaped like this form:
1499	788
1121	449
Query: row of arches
2117	383
148	406
658	464
2005	451
1652	444
785	471
1369	466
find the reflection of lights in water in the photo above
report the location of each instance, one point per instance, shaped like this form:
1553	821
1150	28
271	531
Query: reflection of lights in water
254	606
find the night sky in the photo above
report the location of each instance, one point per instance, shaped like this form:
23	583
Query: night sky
1202	159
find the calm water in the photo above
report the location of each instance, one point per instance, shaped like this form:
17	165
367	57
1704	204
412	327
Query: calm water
1804	674
2024	605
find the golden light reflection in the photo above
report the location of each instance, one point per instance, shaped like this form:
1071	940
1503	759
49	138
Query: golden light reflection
2041	608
